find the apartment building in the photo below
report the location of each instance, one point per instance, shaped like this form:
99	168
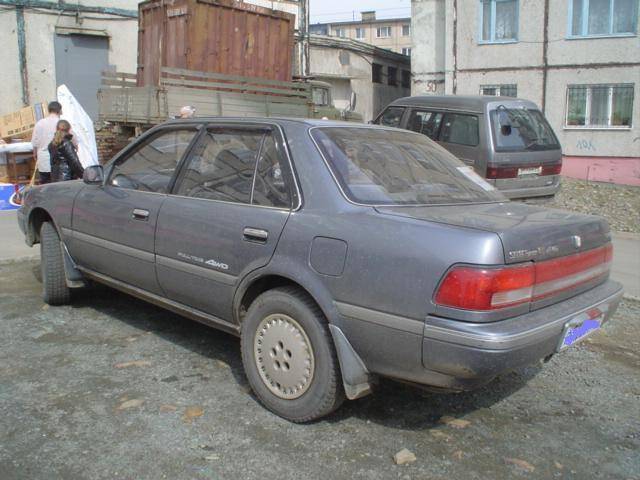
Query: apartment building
579	60
391	34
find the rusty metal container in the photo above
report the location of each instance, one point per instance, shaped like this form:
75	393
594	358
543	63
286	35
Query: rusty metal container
217	36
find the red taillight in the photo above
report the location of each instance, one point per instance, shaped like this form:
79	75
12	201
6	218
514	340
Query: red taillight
482	288
472	288
494	172
551	169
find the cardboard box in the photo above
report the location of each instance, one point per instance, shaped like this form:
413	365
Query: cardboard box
20	123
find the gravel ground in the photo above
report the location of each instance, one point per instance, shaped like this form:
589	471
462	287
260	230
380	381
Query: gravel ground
619	204
113	388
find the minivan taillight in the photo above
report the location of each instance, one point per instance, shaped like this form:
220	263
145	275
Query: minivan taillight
551	169
494	172
485	288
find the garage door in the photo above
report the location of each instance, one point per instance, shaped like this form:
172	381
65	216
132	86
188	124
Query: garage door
80	60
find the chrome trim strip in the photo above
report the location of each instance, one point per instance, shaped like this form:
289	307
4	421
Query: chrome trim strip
179	308
116	247
381	318
505	341
196	270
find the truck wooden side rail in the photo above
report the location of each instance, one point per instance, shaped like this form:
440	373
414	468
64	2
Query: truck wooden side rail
212	94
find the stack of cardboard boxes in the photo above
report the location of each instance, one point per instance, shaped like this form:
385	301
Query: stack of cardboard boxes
18	127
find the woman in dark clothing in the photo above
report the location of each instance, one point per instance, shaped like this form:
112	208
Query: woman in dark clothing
65	164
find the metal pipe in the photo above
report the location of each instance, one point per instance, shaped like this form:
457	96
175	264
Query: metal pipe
22	55
66	7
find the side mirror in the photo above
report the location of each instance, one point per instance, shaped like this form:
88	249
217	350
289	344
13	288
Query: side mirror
93	175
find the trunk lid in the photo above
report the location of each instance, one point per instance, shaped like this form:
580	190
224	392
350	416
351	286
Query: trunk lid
527	232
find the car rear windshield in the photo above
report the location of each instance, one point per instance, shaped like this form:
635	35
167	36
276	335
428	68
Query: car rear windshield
392	167
519	129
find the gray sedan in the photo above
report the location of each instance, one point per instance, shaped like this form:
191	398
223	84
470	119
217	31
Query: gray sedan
338	253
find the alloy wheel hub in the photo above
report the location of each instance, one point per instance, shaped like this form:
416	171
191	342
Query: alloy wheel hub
284	356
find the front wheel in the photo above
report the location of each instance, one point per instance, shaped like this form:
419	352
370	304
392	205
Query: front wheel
289	357
54	281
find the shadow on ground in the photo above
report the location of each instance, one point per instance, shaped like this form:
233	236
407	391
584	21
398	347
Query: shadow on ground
393	405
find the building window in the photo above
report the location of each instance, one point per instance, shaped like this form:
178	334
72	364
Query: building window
406	51
498	21
376	73
319	29
360	32
383	32
392	76
339	32
506	90
406	30
599	106
406	79
592	18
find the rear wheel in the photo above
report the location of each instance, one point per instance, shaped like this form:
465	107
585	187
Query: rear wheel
54	282
289	357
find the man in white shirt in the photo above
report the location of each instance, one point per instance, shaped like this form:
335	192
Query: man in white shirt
43	133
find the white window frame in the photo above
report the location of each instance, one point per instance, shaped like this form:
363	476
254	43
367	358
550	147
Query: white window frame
378	30
492	26
407	50
340	30
585	23
587	110
361	30
408	26
498	87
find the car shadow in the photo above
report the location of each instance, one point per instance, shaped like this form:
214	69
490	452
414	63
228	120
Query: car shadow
394	405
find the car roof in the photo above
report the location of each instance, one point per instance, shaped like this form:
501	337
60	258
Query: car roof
281	121
472	103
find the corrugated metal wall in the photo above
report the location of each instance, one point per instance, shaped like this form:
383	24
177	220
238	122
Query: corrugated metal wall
221	36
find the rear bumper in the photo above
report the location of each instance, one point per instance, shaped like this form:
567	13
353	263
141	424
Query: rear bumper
483	350
528	187
458	355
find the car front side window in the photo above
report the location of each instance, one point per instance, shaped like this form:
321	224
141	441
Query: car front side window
391	117
150	167
235	165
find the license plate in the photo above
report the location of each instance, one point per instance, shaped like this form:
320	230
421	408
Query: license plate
522	172
578	329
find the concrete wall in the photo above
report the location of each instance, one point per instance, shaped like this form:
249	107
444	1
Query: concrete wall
40	28
437	60
356	72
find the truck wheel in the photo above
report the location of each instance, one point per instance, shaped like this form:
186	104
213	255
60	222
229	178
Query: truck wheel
54	283
289	356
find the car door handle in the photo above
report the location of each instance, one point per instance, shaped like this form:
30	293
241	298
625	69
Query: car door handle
255	235
140	214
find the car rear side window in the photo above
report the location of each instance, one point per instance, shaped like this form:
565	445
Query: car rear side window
391	117
376	166
425	122
150	167
235	165
461	129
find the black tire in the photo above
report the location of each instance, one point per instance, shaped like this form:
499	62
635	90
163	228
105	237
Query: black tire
324	392
54	282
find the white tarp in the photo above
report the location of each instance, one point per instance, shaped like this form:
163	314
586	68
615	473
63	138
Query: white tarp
19	147
81	125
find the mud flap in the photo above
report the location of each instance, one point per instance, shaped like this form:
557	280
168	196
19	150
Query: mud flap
73	276
356	378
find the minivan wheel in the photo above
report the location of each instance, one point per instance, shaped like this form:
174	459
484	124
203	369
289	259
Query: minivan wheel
54	282
289	357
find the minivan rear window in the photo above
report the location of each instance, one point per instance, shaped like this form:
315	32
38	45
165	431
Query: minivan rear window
385	167
519	129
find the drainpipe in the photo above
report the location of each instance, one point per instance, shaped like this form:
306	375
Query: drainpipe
303	28
455	48
545	61
22	54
